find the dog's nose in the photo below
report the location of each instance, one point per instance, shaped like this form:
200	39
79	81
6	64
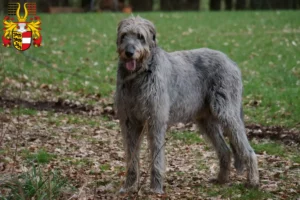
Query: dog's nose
129	51
129	54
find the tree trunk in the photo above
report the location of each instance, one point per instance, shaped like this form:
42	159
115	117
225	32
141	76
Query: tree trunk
190	4
297	4
254	4
86	5
240	4
64	3
54	3
3	7
215	4
273	4
42	6
168	5
279	4
228	4
138	5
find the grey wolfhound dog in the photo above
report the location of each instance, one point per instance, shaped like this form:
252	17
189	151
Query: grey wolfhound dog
158	88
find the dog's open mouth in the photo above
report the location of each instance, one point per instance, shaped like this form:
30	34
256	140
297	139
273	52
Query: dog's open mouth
130	65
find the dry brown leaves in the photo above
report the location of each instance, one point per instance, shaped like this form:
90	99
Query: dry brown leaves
87	148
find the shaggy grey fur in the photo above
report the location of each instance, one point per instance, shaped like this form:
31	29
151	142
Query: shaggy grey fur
161	88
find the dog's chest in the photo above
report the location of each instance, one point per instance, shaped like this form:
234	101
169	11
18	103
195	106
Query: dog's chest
140	97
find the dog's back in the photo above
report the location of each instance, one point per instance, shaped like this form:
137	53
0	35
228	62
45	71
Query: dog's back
193	77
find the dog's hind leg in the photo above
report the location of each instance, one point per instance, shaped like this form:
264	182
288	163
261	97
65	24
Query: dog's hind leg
238	162
212	130
235	130
131	133
225	104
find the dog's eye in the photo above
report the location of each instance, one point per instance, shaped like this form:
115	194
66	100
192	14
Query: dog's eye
140	37
123	36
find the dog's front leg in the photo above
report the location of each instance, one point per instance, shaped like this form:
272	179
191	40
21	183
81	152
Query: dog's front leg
131	133
156	137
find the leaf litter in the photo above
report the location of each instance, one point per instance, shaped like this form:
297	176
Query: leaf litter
86	145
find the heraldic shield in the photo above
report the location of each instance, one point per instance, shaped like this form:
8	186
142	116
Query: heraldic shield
22	40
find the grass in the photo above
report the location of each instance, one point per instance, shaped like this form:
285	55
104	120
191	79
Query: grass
187	137
296	159
104	167
41	157
23	111
271	148
266	45
71	119
35	184
235	191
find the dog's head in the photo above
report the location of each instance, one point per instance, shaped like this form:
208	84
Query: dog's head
136	37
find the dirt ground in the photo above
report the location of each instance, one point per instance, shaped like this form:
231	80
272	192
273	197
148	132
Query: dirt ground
86	146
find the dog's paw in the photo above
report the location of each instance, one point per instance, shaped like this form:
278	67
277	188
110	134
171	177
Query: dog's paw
127	190
253	181
157	190
252	185
218	181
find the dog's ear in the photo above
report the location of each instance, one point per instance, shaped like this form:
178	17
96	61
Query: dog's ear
118	31
121	25
152	30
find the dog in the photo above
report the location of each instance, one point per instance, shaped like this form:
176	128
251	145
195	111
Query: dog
157	89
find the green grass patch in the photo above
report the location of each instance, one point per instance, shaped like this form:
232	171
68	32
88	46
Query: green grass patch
41	157
35	184
296	159
187	137
271	148
265	45
83	162
111	125
104	167
235	191
71	119
24	111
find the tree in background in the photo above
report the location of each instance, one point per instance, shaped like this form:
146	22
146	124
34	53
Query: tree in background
165	5
169	5
216	4
228	4
274	4
138	5
240	5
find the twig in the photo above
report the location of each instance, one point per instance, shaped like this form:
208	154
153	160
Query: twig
80	191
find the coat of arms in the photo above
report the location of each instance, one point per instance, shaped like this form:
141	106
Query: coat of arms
22	33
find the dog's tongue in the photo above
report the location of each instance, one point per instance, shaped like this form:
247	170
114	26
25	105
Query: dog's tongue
130	65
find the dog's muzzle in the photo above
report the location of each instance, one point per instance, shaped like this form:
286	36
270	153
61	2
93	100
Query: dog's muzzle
129	51
131	63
